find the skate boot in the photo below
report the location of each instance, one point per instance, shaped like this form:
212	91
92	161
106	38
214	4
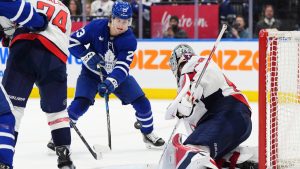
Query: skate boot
51	145
3	166
153	141
247	165
64	161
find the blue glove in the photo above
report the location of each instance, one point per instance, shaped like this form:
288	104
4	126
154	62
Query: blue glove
92	61
107	87
44	27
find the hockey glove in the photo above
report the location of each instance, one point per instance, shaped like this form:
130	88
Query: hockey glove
92	61
184	108
38	29
107	87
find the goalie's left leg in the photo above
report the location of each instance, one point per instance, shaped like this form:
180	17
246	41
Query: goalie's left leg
181	156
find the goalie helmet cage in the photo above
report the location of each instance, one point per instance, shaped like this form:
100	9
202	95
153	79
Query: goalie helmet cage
279	104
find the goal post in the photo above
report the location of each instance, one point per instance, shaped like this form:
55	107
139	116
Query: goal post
279	99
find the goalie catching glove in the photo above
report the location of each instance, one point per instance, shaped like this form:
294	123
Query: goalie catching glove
183	104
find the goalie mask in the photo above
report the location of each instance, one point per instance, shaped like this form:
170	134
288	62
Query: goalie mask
181	54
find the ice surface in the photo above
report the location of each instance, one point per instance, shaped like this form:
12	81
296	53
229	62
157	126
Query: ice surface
128	149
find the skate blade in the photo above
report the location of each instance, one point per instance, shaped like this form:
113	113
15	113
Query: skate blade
152	147
101	148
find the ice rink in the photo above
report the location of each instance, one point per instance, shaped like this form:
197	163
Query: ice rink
128	148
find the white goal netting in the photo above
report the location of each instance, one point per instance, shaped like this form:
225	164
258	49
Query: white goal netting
282	103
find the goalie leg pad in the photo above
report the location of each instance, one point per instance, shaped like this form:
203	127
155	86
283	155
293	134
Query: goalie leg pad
191	157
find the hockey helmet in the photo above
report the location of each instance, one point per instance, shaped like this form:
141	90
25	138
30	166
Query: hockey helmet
181	54
121	10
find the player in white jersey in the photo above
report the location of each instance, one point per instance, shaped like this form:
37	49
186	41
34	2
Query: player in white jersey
216	114
40	58
23	14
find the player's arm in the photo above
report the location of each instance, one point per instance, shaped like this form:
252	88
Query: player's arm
125	48
124	59
80	38
23	13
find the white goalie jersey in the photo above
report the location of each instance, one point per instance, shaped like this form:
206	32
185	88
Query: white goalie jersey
213	86
56	36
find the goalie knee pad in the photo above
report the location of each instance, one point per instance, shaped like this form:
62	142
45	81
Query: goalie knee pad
7	138
191	157
78	107
18	112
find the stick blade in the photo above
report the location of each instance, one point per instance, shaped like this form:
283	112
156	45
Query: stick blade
98	155
101	148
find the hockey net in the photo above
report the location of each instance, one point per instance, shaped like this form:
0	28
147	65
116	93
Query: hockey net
279	99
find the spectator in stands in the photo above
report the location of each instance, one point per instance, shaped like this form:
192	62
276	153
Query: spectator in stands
169	33
174	24
226	11
88	8
74	7
268	21
101	8
238	29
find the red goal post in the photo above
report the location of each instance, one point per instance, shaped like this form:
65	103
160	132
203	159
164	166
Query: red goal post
279	103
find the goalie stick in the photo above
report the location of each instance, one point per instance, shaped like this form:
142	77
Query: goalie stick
173	105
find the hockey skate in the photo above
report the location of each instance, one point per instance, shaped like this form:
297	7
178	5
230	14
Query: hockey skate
64	161
153	141
248	165
3	166
51	146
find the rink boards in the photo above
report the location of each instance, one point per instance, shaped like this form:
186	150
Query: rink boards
238	60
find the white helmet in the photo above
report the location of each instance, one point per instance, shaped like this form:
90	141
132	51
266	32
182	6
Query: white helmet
181	54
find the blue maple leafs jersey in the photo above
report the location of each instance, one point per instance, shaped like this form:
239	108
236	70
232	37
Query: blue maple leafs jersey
116	52
21	12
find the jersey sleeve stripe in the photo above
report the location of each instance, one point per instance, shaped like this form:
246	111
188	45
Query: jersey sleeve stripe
74	42
28	18
124	70
19	12
122	63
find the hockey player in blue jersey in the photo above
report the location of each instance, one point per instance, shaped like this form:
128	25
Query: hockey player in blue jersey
216	114
38	56
23	13
110	52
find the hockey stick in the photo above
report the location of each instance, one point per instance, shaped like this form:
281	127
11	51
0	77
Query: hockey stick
108	120
224	27
177	99
95	153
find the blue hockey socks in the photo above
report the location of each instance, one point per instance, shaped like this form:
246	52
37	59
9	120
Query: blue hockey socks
143	114
78	107
7	138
